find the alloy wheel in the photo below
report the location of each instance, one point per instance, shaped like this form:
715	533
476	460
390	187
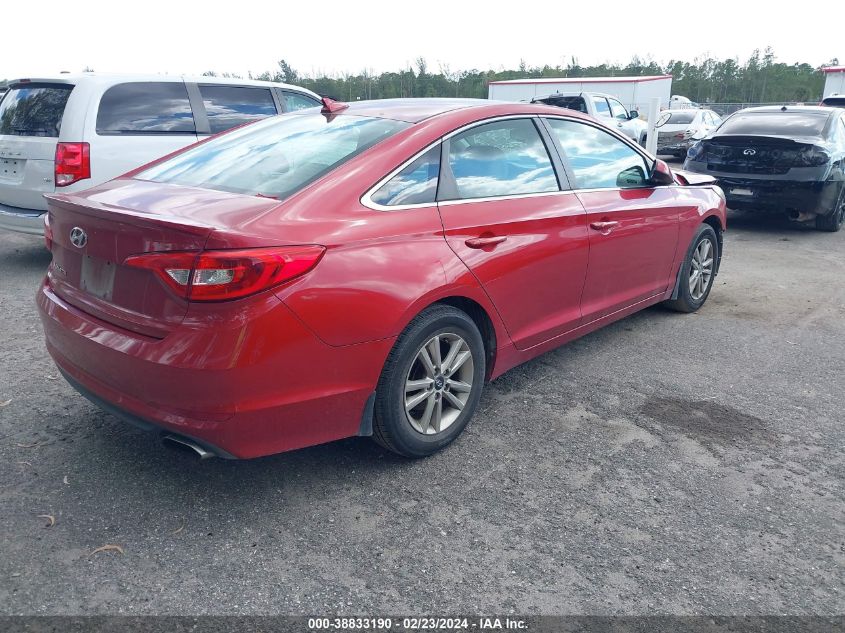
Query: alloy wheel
439	383
701	269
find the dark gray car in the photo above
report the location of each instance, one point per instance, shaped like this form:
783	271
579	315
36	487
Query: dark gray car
779	159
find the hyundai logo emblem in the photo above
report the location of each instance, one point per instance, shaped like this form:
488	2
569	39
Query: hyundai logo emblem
749	152
78	237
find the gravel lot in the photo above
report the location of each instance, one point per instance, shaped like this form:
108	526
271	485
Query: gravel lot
666	464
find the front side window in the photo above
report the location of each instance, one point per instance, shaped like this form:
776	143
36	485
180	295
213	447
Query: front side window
416	184
33	109
228	106
275	157
146	107
617	110
600	104
500	159
599	160
294	102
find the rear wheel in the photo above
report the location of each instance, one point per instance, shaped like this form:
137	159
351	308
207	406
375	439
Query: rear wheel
833	222
698	271
431	383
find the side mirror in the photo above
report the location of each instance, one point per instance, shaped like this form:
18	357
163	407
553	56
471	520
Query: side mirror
633	114
661	174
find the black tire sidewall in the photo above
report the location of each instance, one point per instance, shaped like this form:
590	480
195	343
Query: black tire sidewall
390	398
705	231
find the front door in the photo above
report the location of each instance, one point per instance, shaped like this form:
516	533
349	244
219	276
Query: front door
633	227
505	216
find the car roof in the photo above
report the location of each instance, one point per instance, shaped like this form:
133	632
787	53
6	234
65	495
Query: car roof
417	110
108	79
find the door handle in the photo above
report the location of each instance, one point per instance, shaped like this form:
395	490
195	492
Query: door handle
484	242
604	227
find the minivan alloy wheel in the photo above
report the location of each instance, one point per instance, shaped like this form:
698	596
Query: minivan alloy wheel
701	269
439	383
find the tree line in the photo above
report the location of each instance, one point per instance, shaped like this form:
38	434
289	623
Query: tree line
759	79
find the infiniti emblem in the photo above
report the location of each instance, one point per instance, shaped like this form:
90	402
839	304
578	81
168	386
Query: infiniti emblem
749	152
78	237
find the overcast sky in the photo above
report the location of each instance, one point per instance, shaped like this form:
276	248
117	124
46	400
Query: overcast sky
178	36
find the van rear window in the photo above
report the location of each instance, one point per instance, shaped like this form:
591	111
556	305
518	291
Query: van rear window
34	109
146	107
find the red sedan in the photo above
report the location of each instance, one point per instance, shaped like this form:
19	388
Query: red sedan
362	269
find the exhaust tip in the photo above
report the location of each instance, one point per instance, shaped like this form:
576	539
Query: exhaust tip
184	444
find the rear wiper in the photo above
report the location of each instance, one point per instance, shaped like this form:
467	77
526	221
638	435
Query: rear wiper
21	131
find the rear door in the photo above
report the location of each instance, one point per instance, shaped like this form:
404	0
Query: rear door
633	227
506	217
30	122
138	122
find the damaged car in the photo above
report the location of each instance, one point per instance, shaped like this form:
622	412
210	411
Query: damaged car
779	159
680	129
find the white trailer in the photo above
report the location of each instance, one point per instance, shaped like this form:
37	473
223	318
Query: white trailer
635	93
834	82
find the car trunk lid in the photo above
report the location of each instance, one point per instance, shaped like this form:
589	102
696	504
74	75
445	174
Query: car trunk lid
93	233
748	154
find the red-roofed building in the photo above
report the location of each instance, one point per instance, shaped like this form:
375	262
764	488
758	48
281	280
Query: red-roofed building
634	92
834	83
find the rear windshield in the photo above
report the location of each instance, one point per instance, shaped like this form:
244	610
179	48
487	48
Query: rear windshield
676	118
775	123
570	103
34	109
276	157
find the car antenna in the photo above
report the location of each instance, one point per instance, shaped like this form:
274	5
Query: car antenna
783	109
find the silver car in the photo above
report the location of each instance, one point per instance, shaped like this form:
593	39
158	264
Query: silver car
678	129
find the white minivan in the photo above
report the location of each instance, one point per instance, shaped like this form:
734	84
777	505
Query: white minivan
72	132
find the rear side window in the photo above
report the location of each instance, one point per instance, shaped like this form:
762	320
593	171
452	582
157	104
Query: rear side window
776	123
146	108
276	157
33	109
599	160
228	106
295	101
500	159
416	184
602	109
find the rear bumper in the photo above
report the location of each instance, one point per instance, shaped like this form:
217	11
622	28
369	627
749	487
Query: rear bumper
780	195
251	383
676	149
29	221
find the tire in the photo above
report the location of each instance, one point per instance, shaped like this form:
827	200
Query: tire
692	294
833	221
409	432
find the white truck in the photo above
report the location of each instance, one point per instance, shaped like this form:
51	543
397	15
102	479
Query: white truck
606	108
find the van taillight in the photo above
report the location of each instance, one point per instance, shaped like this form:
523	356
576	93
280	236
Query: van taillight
73	163
224	275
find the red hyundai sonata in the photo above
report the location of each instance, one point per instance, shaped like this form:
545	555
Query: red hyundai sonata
362	269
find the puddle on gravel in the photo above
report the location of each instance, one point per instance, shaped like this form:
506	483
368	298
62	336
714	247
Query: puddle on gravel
704	419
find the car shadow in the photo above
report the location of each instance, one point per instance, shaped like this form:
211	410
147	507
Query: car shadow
766	223
25	254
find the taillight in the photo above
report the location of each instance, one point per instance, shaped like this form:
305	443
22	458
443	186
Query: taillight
48	232
811	157
224	275
73	163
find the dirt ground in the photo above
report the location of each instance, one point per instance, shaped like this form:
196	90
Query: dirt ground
666	464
